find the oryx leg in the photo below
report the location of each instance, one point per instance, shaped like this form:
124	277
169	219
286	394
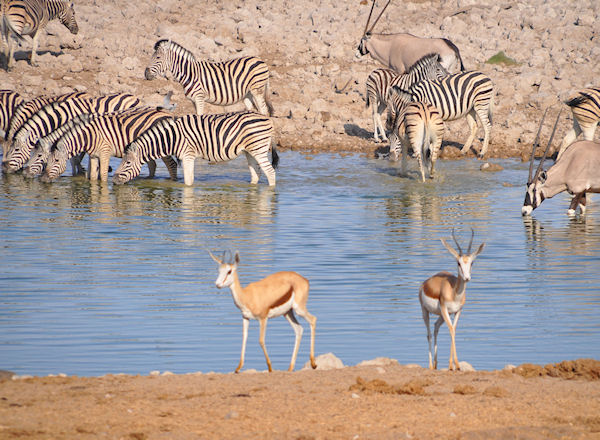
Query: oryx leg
578	200
261	340
471	120
245	325
298	330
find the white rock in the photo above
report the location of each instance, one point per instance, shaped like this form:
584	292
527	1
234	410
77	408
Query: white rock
327	361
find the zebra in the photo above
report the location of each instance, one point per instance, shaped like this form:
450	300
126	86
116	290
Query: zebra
586	115
28	17
419	125
217	138
102	136
222	83
380	81
53	115
28	108
461	94
9	101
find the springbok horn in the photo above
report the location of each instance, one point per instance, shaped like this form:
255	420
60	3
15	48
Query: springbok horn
471	242
379	16
539	169
535	145
455	241
369	19
214	258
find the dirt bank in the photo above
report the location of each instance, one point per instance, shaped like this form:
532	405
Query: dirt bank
380	401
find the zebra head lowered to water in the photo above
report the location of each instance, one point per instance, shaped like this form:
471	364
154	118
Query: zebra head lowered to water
216	138
223	83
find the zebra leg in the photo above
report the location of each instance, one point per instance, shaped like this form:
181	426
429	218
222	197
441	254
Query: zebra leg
199	104
473	131
482	113
253	167
589	130
188	170
263	162
34	48
10	57
171	165
436	144
259	99
151	168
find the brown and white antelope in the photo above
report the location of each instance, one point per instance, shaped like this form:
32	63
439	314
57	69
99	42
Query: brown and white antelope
577	171
444	294
400	51
278	294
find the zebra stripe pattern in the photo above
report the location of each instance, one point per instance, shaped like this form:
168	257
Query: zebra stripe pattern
9	101
461	94
380	81
28	17
223	83
101	137
52	116
421	126
215	138
586	115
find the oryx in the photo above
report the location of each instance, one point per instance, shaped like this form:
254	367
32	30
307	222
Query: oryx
577	171
400	51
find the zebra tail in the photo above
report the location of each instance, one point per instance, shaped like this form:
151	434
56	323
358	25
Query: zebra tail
270	108
274	155
426	147
8	28
452	46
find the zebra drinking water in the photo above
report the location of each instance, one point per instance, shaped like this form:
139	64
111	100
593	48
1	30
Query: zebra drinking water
101	137
224	83
52	116
216	138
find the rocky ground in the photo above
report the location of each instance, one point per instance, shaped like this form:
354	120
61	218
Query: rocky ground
376	400
318	87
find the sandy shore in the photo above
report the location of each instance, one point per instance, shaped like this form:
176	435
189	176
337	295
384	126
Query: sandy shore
384	400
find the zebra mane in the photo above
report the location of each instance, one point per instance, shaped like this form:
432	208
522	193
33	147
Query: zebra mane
580	98
172	45
425	60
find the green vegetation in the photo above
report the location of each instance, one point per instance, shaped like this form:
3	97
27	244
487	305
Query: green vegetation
501	58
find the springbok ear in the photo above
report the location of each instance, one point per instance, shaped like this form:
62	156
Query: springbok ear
450	249
236	259
542	177
478	251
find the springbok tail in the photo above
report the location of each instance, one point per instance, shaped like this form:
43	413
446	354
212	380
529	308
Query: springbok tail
452	46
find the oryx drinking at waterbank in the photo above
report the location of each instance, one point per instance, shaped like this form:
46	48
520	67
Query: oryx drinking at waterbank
577	171
400	51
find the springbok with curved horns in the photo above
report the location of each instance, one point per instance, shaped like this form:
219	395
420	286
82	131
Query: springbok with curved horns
576	171
444	294
278	294
402	50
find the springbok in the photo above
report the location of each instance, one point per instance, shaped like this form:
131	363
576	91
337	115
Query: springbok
402	50
278	294
443	294
576	171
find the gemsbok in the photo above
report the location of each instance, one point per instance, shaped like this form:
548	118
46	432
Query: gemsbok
402	50
577	171
278	294
444	294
